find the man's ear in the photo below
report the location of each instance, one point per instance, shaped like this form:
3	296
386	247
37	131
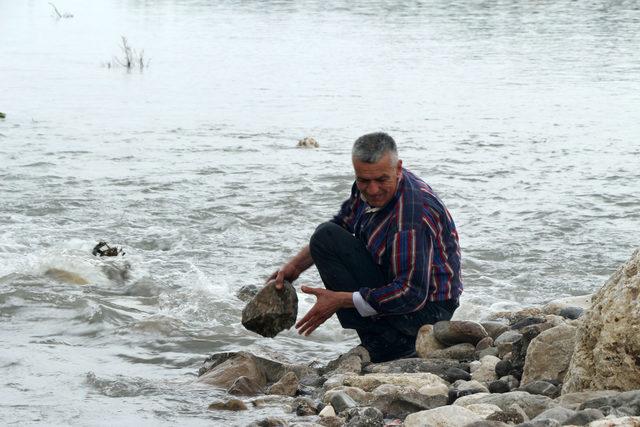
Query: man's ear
399	168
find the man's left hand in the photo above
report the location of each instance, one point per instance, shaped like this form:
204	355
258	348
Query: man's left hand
328	302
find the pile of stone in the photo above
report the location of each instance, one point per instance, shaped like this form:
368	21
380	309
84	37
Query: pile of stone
566	363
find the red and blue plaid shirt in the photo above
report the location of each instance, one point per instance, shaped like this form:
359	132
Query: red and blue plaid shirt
414	240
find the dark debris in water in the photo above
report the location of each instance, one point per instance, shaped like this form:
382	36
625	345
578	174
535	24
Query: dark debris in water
103	249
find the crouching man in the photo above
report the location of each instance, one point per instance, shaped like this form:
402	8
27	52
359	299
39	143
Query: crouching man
389	260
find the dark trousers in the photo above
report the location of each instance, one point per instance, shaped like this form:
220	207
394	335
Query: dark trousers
345	264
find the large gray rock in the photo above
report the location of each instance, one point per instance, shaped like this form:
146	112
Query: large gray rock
271	311
364	417
504	342
530	403
228	405
223	369
544	388
451	332
405	402
487	370
286	386
350	362
225	373
629	401
520	347
304	406
549	354
342	401
357	394
494	329
444	416
617	422
438	367
558	413
426	341
574	400
244	386
463	351
607	350
584	417
416	381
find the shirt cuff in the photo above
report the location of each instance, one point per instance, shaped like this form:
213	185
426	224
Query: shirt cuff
363	307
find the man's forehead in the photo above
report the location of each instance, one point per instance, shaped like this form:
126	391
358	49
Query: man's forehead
372	174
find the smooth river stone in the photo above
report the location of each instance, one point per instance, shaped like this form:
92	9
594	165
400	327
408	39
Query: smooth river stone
271	311
459	332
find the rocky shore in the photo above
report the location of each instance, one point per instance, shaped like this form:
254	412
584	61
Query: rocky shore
570	362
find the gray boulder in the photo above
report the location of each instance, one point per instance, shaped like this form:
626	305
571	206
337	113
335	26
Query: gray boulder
549	354
547	422
244	386
527	321
499	386
444	416
350	362
558	413
426	341
303	407
438	367
494	329
571	312
503	368
607	346
286	386
628	400
403	403
544	388
269	422
454	374
364	417
228	405
504	342
583	417
484	343
223	369
532	404
487	423
574	400
463	351
229	370
341	401
451	332
271	311
514	414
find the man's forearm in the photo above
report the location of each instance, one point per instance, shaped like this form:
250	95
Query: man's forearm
302	260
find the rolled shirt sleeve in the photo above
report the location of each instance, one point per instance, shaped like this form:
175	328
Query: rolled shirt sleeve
363	307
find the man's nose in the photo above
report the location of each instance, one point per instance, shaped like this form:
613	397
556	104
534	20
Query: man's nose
373	187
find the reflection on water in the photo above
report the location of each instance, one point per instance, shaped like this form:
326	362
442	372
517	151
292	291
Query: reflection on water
522	115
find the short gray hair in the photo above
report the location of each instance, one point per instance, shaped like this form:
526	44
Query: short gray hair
370	148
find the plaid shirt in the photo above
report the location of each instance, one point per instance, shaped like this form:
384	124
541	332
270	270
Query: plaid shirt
415	242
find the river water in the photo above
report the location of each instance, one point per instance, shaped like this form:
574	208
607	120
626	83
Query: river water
522	115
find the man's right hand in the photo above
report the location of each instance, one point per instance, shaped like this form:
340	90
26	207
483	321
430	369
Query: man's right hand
287	272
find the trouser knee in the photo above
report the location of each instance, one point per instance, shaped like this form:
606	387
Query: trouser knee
323	236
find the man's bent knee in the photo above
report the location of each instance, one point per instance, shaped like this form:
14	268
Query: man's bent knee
324	233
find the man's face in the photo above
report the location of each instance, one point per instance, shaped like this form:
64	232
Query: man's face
378	181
